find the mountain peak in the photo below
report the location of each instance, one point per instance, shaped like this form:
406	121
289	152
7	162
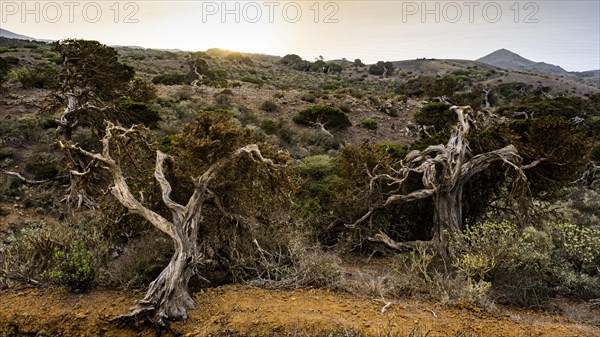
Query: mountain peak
503	51
506	59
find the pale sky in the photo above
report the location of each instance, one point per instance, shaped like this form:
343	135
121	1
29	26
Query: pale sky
565	33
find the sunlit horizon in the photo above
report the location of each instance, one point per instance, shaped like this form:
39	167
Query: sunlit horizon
555	32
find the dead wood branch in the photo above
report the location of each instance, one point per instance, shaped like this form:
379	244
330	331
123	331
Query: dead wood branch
23	179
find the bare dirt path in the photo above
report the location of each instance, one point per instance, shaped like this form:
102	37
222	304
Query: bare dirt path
238	310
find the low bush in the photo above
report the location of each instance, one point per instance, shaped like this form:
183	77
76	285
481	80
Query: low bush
528	266
269	106
73	266
141	90
63	253
28	127
255	80
317	167
369	124
319	182
223	100
140	112
270	126
42	75
307	97
136	265
170	79
330	117
298	266
437	114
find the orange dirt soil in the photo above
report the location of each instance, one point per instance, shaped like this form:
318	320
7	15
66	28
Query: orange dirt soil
237	310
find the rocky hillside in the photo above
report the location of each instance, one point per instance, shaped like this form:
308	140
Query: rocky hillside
506	59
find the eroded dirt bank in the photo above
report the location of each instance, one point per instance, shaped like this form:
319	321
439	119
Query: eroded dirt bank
244	311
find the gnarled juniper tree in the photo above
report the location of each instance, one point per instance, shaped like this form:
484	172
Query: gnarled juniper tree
94	86
444	171
167	297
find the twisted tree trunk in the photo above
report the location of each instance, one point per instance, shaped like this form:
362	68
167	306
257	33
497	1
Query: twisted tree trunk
447	217
168	296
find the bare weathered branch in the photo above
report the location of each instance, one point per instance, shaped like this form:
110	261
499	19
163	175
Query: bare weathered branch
533	164
412	196
23	179
483	161
321	127
120	189
177	210
400	246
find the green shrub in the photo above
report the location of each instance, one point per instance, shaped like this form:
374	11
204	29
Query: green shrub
436	114
166	141
414	269
475	268
528	266
64	253
6	152
381	68
218	73
346	107
270	126
44	171
28	126
495	256
73	266
332	86
254	80
330	117
41	76
394	150
53	57
223	101
10	60
238	57
307	97
290	59
218	83
567	107
269	106
141	90
580	246
317	167
225	91
593	124
370	124
318	183
4	69
171	79
140	112
498	242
